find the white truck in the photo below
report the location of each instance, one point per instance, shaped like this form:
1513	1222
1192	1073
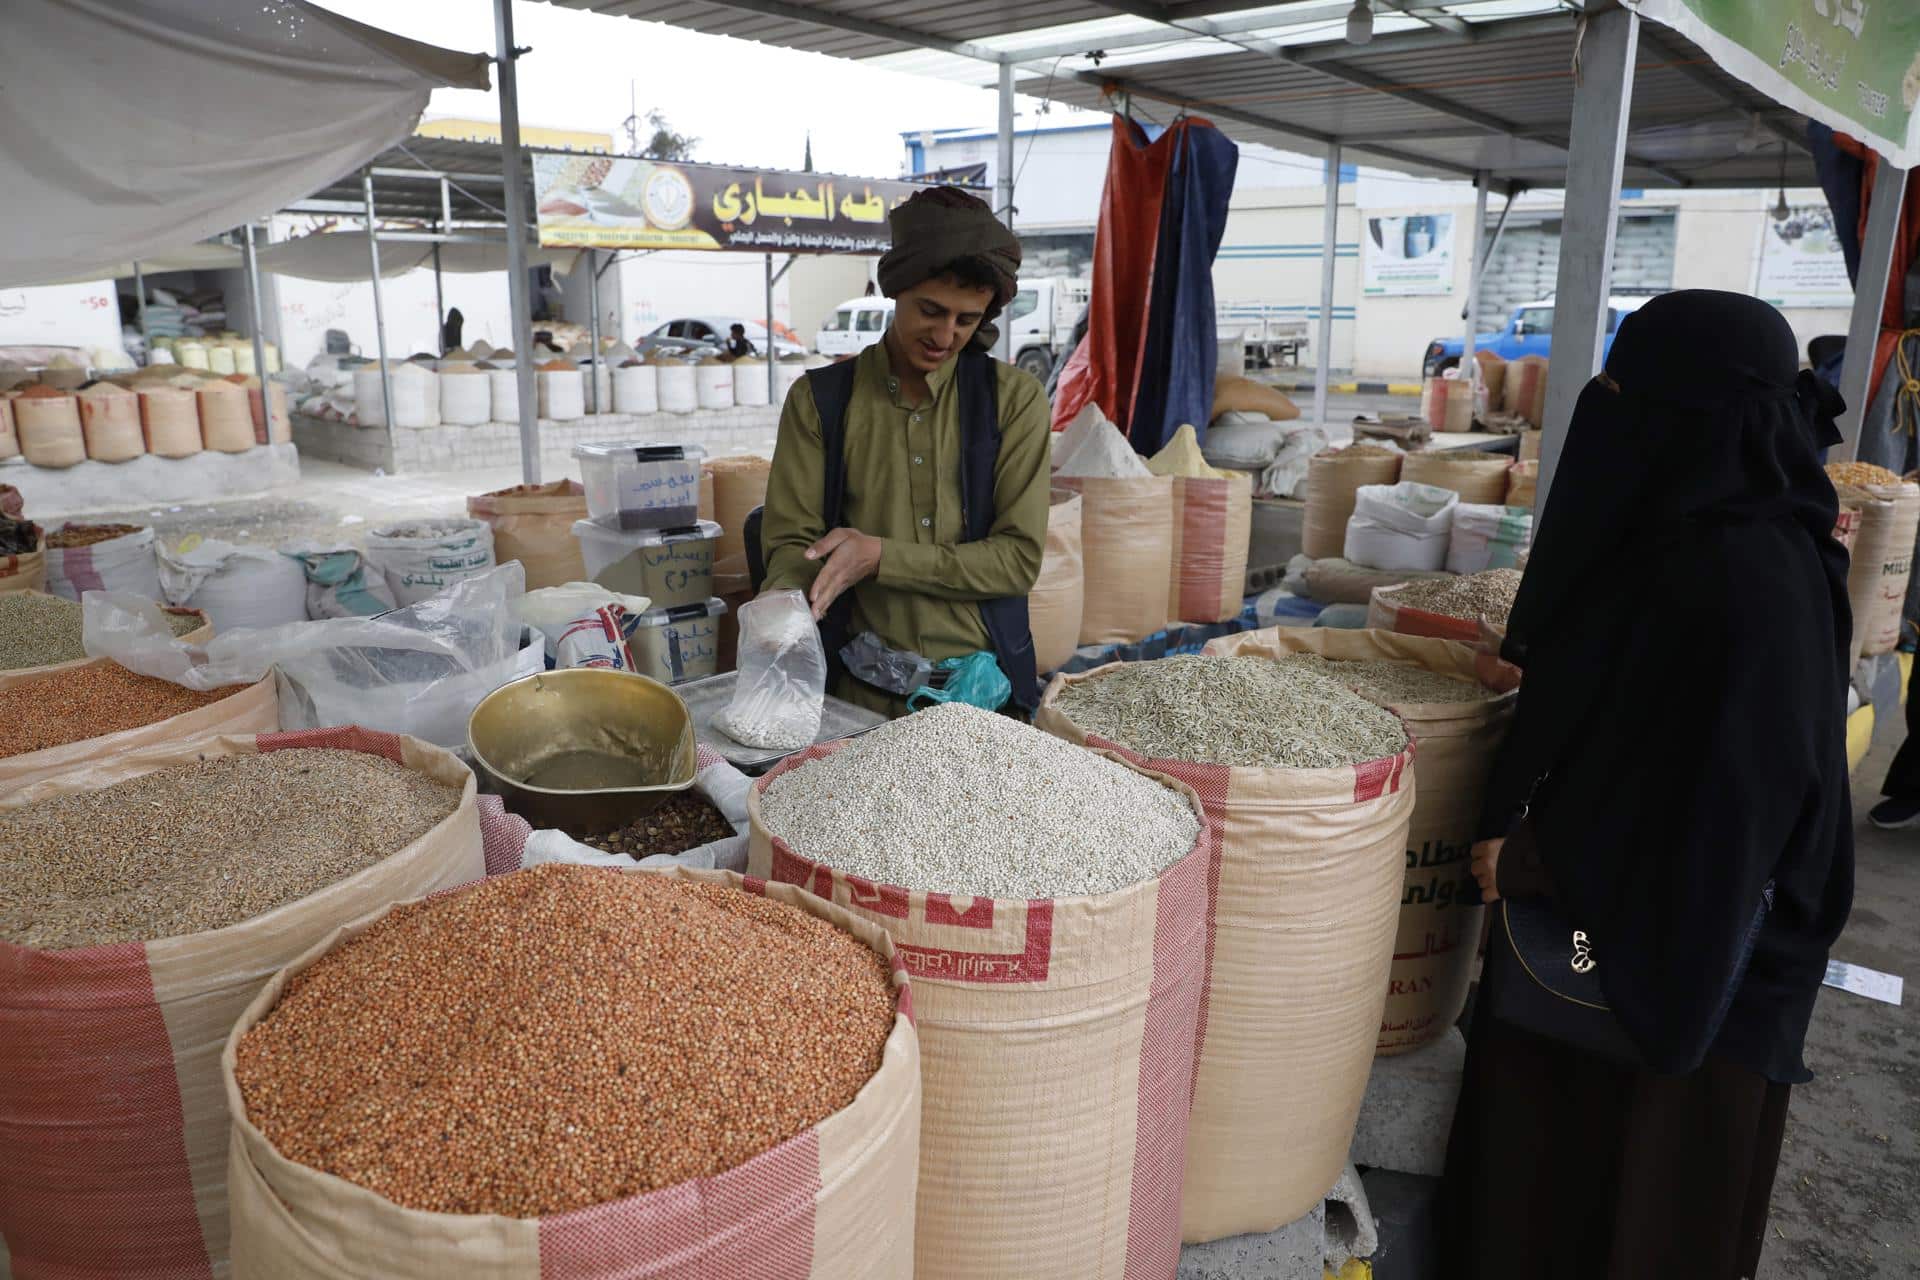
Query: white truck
1040	319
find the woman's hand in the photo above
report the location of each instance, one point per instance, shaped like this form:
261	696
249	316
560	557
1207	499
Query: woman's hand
1486	865
1494	671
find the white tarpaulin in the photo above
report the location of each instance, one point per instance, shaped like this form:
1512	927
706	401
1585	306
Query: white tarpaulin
341	256
132	127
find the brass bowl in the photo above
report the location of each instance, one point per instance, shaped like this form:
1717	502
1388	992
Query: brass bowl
585	750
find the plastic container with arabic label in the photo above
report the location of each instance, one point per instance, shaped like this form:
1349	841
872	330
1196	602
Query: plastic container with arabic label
669	566
678	644
642	486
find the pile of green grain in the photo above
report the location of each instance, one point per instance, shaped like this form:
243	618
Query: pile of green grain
38	630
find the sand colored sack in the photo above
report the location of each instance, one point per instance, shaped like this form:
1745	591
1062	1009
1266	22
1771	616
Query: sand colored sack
47	425
739	485
1212	524
170	420
1881	564
533	523
24	571
1384	613
1493	376
1126	549
1447	404
1454	745
226	420
1306	866
1479	478
1529	449
125	563
1057	1043
1337	580
1334	478
110	421
1243	395
1059	593
1526	388
255	709
113	1160
1521	481
832	1203
9	438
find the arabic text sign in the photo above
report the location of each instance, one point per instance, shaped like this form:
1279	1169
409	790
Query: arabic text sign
1851	64
1801	264
626	203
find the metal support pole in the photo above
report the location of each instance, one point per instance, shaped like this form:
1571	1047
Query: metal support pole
1869	300
1595	156
140	302
1476	269
1004	179
439	303
379	313
515	191
773	347
1329	242
593	331
259	345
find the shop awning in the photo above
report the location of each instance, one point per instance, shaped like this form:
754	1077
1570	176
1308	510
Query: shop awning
129	128
342	256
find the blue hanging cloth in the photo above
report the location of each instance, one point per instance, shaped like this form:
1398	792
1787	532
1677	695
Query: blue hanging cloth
1181	353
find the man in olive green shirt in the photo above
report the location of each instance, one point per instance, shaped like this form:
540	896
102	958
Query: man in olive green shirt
900	548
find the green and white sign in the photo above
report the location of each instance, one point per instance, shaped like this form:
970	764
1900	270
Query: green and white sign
1851	64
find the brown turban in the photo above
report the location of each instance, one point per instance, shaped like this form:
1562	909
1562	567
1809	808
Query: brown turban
937	228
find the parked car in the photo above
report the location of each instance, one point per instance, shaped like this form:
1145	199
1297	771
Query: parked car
1529	332
1040	318
704	335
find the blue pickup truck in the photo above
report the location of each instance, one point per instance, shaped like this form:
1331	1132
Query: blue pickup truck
1529	332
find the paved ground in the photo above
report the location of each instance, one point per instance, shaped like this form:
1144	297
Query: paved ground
1847	1202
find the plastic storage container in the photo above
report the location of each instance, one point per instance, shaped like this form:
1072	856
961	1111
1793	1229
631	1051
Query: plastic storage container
642	486
678	644
668	566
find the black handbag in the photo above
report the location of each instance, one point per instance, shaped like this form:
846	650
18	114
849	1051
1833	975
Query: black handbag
1543	976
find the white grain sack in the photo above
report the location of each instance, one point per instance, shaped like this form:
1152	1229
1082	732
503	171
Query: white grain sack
958	800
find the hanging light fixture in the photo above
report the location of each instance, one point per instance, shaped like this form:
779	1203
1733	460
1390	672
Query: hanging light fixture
1780	210
1360	22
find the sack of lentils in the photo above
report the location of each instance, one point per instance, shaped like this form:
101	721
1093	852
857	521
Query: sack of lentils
1308	791
677	1073
1457	725
148	900
1050	904
41	634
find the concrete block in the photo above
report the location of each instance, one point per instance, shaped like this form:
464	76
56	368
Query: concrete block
50	493
1405	1208
1408	1109
1296	1251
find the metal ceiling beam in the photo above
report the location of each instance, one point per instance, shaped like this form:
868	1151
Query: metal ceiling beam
854	26
1692	70
1549	24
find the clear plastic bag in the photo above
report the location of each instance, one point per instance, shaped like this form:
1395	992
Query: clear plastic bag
782	683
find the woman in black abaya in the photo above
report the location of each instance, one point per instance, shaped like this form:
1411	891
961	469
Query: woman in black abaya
1675	788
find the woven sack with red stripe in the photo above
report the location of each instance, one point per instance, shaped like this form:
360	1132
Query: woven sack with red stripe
832	1203
1126	550
113	1122
1304	873
1212	524
1057	1038
1385	614
1439	930
125	563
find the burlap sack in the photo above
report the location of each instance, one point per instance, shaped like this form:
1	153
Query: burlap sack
1447	404
739	485
253	710
1526	388
1057	1043
1882	562
534	525
1212	524
1341	581
832	1203
1243	395
1529	449
25	571
113	1156
1522	479
1479	478
1305	885
1126	549
1059	593
1333	479
1454	744
199	635
1384	613
1493	376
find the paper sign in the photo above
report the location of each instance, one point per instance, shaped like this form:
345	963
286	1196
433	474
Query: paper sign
1871	983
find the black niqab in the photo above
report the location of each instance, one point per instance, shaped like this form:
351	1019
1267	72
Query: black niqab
1684	629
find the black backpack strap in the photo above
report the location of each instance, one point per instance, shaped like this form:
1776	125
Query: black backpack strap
1009	631
832	389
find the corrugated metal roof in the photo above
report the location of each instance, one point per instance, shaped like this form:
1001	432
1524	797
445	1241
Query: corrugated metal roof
1491	92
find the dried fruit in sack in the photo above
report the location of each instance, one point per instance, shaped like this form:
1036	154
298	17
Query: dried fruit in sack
203	846
564	1037
683	821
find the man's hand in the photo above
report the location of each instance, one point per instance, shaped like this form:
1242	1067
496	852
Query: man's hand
851	557
1486	866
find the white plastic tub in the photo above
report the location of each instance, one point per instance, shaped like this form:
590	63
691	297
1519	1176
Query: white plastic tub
678	644
670	567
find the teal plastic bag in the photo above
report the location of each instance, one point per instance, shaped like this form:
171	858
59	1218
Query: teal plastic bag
975	680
